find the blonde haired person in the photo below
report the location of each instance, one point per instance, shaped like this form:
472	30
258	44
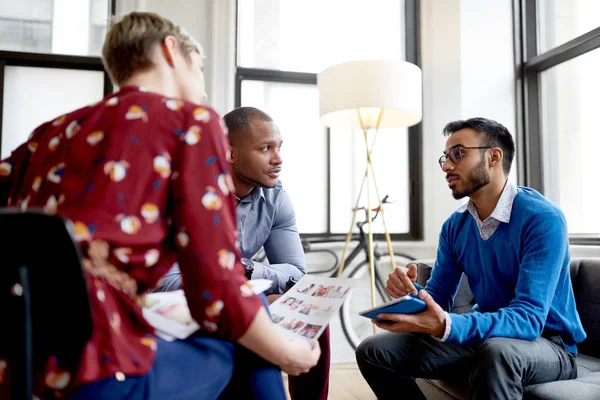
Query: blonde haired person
144	178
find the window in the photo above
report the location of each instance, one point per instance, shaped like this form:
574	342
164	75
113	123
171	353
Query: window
281	46
310	35
23	35
390	163
560	57
75	27
23	112
289	104
569	108
560	21
45	63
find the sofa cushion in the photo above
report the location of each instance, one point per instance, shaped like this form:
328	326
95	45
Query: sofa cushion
585	388
585	275
446	390
587	365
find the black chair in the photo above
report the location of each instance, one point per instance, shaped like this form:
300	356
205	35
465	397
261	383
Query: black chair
43	296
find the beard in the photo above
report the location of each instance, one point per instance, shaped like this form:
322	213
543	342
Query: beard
478	177
252	181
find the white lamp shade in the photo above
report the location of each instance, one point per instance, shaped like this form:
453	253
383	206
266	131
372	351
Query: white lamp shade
394	86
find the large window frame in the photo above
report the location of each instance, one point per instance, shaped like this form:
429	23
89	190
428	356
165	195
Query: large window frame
415	133
49	60
530	64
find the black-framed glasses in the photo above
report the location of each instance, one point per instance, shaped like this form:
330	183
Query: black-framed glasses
456	154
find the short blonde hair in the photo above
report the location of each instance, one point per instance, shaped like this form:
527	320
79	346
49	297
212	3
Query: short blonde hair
129	42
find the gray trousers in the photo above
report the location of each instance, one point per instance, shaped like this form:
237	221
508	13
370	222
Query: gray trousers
498	368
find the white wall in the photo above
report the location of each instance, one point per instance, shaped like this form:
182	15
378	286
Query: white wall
441	63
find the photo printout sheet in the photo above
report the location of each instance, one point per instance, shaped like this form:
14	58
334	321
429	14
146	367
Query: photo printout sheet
306	309
168	312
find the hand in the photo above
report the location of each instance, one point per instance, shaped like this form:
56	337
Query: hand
300	357
400	281
272	297
431	321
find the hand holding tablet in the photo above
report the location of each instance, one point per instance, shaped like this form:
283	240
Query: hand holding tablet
409	304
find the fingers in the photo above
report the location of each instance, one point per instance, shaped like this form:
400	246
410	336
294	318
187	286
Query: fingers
388	326
426	297
393	289
316	346
392	317
316	350
408	283
412	272
395	322
398	279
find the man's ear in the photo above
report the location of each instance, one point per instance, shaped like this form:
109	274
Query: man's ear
496	156
170	49
231	154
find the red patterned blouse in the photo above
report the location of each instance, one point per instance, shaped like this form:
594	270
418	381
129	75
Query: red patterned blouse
148	175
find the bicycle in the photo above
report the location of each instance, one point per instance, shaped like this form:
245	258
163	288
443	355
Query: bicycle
355	327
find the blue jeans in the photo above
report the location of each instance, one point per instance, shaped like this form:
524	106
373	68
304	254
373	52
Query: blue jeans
199	368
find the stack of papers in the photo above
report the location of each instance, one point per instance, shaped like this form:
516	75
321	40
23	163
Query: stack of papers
168	312
306	309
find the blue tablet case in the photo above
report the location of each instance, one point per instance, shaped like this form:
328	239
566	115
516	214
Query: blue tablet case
410	304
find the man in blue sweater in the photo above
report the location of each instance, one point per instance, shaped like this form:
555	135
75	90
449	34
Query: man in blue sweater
512	244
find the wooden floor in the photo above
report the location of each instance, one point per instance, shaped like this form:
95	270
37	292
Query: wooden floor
346	383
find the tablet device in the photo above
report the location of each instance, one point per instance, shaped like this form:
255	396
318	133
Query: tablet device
409	304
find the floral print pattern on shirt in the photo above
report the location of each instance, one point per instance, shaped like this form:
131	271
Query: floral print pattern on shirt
148	176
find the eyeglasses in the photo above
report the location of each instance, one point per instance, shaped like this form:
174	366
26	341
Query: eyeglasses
456	154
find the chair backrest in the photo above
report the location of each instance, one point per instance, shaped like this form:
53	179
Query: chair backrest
61	321
463	301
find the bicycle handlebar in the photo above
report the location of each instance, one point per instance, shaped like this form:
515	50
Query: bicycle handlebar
376	209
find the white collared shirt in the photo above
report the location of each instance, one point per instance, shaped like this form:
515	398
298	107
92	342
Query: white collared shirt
501	212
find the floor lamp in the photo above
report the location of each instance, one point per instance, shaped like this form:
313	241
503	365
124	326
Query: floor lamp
370	95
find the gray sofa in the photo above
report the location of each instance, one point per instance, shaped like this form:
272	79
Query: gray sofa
585	275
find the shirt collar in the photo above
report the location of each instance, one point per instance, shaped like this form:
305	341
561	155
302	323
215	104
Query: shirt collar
253	195
503	208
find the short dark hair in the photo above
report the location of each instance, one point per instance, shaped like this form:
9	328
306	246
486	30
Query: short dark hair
239	119
496	135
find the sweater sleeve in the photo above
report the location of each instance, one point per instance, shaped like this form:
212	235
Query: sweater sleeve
446	274
545	244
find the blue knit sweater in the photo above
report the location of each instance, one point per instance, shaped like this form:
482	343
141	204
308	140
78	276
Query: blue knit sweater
519	276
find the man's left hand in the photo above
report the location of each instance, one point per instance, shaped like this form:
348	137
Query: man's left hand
431	321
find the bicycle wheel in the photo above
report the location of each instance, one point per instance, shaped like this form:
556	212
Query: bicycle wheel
320	261
357	328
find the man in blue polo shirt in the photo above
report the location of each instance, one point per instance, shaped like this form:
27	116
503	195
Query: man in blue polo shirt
512	244
265	218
